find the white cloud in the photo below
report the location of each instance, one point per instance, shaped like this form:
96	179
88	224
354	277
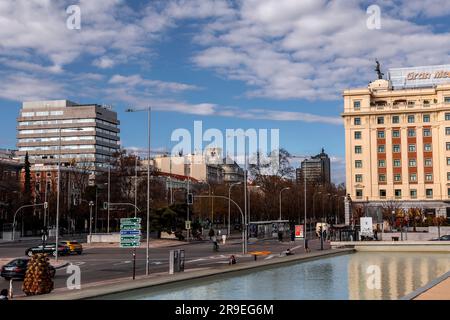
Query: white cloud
103	63
136	80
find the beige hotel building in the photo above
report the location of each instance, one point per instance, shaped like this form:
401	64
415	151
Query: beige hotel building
397	139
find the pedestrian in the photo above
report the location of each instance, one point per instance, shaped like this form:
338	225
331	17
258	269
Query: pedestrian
232	260
292	236
4	294
280	236
307	246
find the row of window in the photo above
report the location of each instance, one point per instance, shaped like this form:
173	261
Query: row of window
78	138
66	130
396	148
42	113
396	119
51	122
74	156
398	193
412	163
68	147
357	103
397	177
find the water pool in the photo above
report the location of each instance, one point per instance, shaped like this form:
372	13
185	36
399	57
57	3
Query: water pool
339	277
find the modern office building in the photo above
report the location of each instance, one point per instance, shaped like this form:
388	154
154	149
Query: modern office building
316	169
88	134
397	139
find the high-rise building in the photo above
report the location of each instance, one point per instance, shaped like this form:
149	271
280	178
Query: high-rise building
316	170
397	139
88	134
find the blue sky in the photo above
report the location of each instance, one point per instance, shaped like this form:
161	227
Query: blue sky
259	64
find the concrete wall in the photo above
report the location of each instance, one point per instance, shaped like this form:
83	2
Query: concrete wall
416	236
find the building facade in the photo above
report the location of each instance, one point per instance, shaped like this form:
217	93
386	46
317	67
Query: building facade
88	134
397	139
317	170
10	169
232	172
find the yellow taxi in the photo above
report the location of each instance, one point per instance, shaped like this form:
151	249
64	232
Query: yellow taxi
73	246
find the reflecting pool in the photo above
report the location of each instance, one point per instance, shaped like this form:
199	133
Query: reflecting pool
362	275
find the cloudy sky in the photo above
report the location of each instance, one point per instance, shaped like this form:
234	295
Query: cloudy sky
259	64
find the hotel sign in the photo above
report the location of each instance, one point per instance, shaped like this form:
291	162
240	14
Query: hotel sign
425	76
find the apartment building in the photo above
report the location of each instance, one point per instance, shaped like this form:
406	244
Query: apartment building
88	134
397	139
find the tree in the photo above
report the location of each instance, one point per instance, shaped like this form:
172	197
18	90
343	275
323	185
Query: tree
415	215
27	182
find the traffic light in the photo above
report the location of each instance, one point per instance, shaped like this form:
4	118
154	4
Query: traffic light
190	198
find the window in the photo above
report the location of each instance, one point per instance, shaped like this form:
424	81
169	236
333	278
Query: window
397	177
380	134
413	193
357	121
412	148
380	120
396	148
427	147
448	192
382	193
381	148
448	176
411	133
446	99
358	149
359	193
56	113
382	178
398	193
413	177
428	177
42	114
358	163
411	104
27	114
410	119
381	163
426	118
426	132
447	116
358	178
426	103
447	131
397	163
395	133
357	135
448	161
428	162
356	105
429	193
412	163
447	146
395	119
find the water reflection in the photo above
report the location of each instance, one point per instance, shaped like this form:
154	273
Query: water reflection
341	277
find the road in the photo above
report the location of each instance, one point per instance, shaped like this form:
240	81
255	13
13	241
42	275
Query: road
99	264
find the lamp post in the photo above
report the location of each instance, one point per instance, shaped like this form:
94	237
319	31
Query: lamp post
314	203
229	205
147	260
109	195
286	188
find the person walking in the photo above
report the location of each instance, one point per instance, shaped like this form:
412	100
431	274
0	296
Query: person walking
307	246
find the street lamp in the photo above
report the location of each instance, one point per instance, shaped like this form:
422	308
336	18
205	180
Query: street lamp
286	188
229	205
147	260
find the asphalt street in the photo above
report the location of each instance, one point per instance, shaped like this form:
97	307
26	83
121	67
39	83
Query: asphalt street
99	264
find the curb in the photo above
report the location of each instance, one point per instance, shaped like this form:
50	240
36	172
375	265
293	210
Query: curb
426	287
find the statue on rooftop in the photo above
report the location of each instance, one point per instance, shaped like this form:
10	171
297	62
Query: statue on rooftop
378	70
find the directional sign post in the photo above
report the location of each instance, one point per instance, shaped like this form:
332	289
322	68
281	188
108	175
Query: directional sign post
130	236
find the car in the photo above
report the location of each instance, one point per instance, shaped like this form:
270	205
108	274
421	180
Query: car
49	248
73	246
442	238
16	269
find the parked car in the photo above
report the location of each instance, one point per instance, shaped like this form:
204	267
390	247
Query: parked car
442	238
16	269
73	246
49	248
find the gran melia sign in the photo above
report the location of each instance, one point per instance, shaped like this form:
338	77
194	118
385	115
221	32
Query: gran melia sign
425	76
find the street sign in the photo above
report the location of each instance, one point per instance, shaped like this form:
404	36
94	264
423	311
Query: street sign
105	206
188	225
130	232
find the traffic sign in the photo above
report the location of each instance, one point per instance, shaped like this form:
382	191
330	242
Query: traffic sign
130	232
187	225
